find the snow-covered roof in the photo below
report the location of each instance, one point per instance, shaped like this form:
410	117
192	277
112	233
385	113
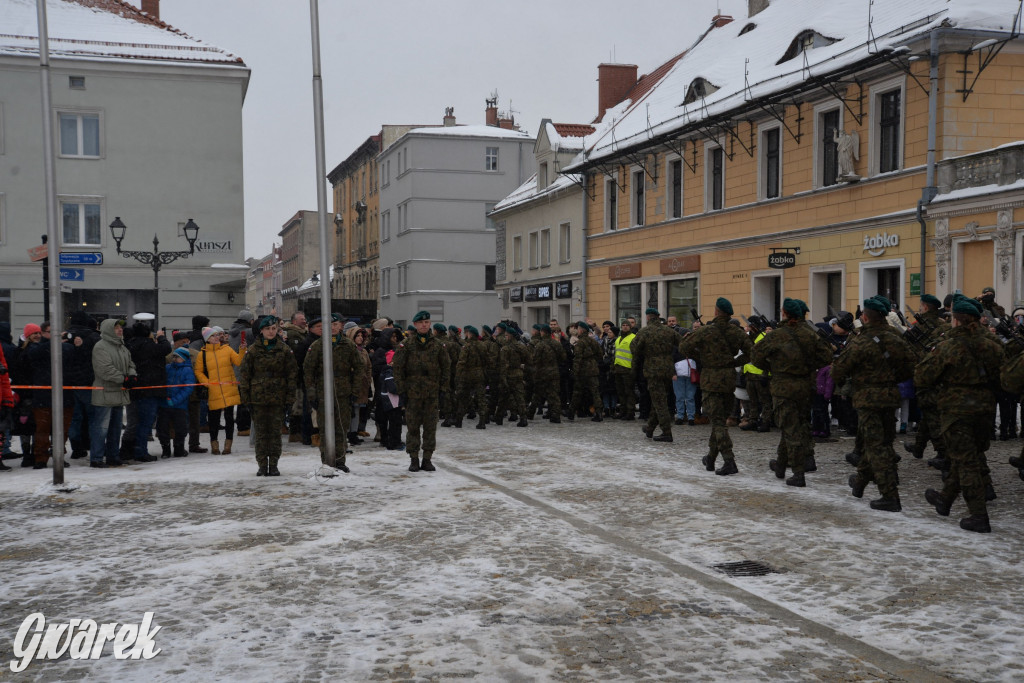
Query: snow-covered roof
746	67
567	137
314	283
101	30
528	190
472	131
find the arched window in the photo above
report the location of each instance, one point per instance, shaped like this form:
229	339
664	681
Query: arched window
806	40
699	88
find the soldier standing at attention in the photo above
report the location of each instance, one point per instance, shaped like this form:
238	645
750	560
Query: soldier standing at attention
449	406
586	371
964	369
792	353
421	368
347	364
267	386
876	360
652	348
469	379
514	358
720	347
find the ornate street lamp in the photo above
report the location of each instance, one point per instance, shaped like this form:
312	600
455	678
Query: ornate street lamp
155	258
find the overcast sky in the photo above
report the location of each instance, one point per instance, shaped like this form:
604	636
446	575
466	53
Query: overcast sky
404	61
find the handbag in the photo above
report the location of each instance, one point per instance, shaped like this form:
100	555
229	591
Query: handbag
694	373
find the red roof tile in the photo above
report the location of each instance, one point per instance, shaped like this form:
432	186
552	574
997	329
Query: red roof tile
573	130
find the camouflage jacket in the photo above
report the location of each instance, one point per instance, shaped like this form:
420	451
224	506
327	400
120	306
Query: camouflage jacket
268	374
421	367
472	361
492	349
347	365
792	353
964	370
514	358
546	354
293	335
715	346
933	329
876	359
586	357
652	349
453	347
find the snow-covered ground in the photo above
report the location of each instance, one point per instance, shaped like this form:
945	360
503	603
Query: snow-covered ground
578	551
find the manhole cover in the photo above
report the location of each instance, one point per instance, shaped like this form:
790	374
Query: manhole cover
745	568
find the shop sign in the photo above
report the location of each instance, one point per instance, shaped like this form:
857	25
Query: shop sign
515	294
680	264
563	289
877	244
538	292
625	271
782	259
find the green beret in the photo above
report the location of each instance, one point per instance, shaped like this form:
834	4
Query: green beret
963	304
487	329
337	318
877	303
500	326
793	307
724	305
988	290
652	311
411	328
931	300
544	327
536	326
585	327
453	329
439	327
422	315
471	330
266	321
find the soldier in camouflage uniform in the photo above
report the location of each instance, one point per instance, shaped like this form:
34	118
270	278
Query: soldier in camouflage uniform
876	359
294	333
266	384
586	359
1012	379
492	374
792	353
963	369
347	364
720	348
448	406
470	389
421	369
652	349
934	328
514	358
545	355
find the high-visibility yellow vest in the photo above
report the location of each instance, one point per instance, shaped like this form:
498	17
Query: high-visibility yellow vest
750	367
623	354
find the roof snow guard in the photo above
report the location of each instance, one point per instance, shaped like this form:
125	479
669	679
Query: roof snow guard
751	80
101	30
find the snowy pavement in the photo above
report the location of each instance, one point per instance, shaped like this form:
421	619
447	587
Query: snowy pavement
570	552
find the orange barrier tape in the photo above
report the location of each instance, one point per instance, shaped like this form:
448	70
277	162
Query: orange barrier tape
154	386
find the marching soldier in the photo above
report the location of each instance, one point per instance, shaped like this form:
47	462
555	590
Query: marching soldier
933	328
653	347
545	356
421	369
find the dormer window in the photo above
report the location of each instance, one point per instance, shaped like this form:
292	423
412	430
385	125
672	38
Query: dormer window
748	28
808	40
542	176
699	89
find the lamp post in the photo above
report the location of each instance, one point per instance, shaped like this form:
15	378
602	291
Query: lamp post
155	258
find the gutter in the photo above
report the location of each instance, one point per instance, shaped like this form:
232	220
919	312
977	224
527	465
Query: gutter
583	250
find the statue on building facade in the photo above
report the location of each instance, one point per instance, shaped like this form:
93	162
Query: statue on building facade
847	151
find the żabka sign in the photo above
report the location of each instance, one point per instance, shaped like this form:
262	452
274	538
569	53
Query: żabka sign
877	245
782	259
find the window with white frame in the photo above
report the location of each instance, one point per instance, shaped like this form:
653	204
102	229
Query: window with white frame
564	243
542	177
545	247
534	250
385	226
714	179
79	134
887	127
638	209
80	221
517	253
491	159
674	201
385	281
611	204
770	168
489	222
826	155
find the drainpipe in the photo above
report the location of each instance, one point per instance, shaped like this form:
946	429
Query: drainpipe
583	252
930	190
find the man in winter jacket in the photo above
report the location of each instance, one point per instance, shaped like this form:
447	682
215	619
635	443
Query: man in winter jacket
114	375
149	353
83	338
38	357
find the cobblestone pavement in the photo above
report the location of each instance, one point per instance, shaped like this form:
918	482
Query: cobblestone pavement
570	552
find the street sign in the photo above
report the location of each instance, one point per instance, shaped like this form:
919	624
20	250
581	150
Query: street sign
81	258
73	274
38	252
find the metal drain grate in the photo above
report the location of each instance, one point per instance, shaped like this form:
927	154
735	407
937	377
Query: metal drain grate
745	568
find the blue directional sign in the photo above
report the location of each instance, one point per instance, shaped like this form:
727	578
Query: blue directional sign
73	274
81	258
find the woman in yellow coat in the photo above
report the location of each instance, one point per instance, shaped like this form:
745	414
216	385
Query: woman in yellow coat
214	365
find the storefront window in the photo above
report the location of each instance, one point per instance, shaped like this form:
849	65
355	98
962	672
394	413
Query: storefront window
627	302
5	306
682	296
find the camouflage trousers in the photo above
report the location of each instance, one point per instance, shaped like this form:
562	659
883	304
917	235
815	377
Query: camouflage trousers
660	388
717	405
448	401
513	396
470	394
793	417
266	433
929	428
967	439
877	429
342	420
546	390
623	378
586	392
420	412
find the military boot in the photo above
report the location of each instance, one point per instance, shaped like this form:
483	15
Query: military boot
853	458
414	463
809	464
555	418
262	471
990	492
499	420
272	470
887	504
780	472
215	447
648	432
796	480
447	422
597	417
709	462
857	485
940	462
522	422
977	523
227	447
482	422
165	449
936	499
458	422
912	448
426	465
727	468
664	437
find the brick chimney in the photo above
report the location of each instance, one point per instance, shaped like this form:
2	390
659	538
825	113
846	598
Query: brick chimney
152	8
720	20
756	6
491	113
614	81
507	122
449	117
